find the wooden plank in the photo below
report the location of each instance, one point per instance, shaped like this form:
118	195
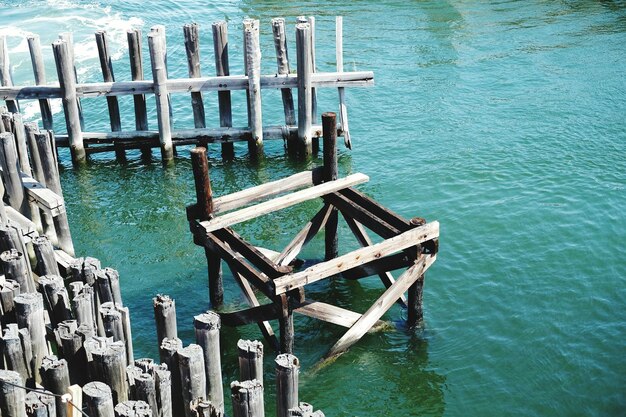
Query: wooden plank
282	202
22	223
332	314
377	209
64	260
44	197
251	315
304	236
364	240
380	307
358	257
253	194
380	266
362	215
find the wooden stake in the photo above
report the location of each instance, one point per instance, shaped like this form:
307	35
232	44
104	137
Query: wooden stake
250	360
36	57
44	252
5	73
56	379
305	104
67	80
156	44
287	376
192	377
253	70
207	328
191	33
12	395
282	60
15	268
167	353
98	399
165	317
29	315
220	46
11	174
343	108
329	126
247	397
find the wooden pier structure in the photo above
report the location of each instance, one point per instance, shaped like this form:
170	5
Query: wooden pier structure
300	131
408	244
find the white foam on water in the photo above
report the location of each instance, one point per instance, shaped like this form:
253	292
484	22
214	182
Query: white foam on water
31	111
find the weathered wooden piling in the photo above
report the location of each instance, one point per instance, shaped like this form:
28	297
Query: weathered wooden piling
343	108
252	62
207	329
44	252
156	44
30	129
133	409
305	98
17	352
55	378
108	286
17	128
15	268
163	386
222	68
83	305
29	315
165	317
203	408
282	61
112	320
5	73
56	298
84	269
67	79
9	289
191	33
12	395
192	376
39	70
168	356
142	387
329	128
68	37
247	398
287	377
285	322
304	410
109	363
73	351
16	196
40	404
250	360
136	70
98	399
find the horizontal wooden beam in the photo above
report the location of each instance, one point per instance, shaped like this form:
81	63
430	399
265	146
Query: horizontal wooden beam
257	314
331	314
380	266
45	198
359	213
377	209
358	257
254	194
188	85
282	202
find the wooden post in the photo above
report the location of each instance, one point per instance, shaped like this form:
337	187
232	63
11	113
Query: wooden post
15	268
5	73
163	386
192	378
207	327
4	220
57	298
329	128
40	404
247	397
108	285
73	351
285	321
29	315
305	410
98	399
415	312
83	306
67	80
253	70
68	37
156	44
167	353
12	395
343	109
282	60
20	140
287	376
165	317
18	352
133	409
250	360
191	33
30	129
84	270
44	252
143	387
303	51
112	320
109	363
9	289
11	174
55	378
36	57
220	47
203	408
136	70
107	74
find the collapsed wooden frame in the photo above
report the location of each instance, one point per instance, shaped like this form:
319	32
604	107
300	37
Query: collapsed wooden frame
407	244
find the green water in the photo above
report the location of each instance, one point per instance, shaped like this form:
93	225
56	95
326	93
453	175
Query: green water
502	120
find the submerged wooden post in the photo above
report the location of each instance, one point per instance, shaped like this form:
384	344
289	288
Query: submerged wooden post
98	399
253	70
55	378
305	104
107	74
247	397
16	196
204	211
156	44
191	33
415	312
67	80
165	317
287	377
5	73
282	60
329	128
29	315
12	395
192	378
36	57
250	360
136	69
207	327
222	68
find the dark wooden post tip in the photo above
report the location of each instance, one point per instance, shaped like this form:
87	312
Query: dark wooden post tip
204	195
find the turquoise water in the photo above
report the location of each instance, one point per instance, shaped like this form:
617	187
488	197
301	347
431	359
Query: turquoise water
502	120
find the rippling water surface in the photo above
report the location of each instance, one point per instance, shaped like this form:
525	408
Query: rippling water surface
502	120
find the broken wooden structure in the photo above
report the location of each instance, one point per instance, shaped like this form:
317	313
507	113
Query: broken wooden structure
300	133
408	244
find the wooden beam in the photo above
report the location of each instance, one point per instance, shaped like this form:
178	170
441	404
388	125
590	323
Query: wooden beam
358	257
282	202
379	266
377	209
253	194
351	209
332	314
304	236
251	315
380	307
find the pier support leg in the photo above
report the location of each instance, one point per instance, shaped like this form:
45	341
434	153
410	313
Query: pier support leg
415	313
286	324
329	129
